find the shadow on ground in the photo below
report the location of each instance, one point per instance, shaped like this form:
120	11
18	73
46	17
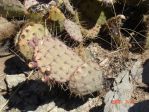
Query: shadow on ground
29	95
15	66
145	74
97	108
140	107
34	93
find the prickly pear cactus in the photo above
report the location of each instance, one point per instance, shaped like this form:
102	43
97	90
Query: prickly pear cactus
29	3
54	57
55	14
7	29
24	37
37	13
146	20
56	19
86	79
12	8
93	12
60	64
73	30
68	6
91	19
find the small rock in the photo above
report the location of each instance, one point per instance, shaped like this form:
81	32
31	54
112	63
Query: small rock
2	101
14	110
56	109
45	108
119	99
2	83
137	71
14	80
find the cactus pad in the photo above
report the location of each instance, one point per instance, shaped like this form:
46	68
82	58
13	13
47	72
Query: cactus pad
6	29
60	64
12	8
146	20
73	30
55	14
86	79
56	58
25	36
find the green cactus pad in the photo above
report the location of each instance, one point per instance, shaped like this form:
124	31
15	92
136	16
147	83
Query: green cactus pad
12	8
28	32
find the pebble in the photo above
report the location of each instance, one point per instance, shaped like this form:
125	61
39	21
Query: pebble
14	80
